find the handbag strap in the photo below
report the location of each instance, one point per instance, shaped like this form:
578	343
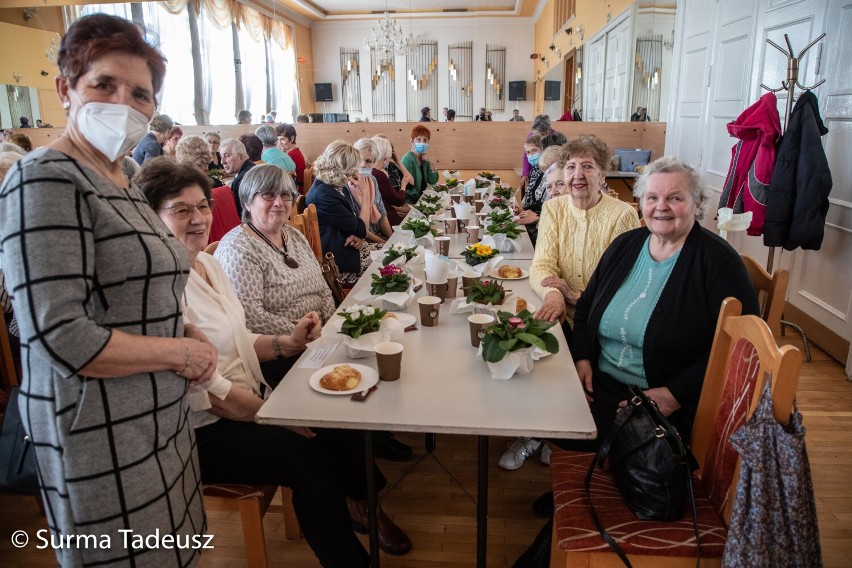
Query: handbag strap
621	418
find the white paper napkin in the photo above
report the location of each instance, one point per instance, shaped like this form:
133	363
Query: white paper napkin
484	268
437	267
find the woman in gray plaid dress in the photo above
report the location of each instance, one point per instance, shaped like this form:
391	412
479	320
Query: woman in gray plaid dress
96	281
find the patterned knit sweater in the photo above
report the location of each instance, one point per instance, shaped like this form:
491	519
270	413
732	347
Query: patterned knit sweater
571	241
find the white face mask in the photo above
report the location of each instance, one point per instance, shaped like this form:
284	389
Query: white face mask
112	129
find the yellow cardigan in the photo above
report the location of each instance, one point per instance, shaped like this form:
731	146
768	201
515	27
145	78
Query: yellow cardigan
571	241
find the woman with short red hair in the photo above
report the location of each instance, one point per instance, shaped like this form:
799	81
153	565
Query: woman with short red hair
416	163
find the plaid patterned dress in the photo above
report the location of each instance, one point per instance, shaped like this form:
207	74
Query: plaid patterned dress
83	257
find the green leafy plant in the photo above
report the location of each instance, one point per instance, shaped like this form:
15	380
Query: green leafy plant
391	278
499	215
358	320
487	292
217	173
420	227
429	198
512	332
399	249
506	227
452	183
487	175
498	202
478	253
427	208
504	192
480	183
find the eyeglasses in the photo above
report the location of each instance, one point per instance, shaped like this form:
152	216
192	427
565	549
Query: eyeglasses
185	210
558	184
270	195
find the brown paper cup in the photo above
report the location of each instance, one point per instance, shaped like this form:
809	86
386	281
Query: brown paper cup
456	197
468	280
430	307
473	233
389	360
470	198
443	245
451	225
437	289
452	286
477	327
479	204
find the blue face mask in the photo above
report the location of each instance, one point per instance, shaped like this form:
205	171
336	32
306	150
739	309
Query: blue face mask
365	171
533	159
421	147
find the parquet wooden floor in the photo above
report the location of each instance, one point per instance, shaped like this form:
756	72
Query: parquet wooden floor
439	517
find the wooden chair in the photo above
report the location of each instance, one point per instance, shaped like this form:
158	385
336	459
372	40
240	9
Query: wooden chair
300	204
743	357
313	231
252	502
308	178
211	248
772	289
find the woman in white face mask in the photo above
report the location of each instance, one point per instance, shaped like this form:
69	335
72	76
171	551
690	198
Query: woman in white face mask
97	281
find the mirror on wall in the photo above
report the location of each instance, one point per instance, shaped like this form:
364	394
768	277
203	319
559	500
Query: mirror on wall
18	101
652	64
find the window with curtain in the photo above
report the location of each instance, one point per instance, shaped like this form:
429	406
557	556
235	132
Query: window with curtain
267	59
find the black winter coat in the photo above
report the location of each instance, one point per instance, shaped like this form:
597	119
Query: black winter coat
801	181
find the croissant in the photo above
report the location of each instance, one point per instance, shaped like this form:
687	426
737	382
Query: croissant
509	271
520	304
341	378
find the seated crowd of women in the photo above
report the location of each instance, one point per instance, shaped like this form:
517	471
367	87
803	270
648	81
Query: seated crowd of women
145	359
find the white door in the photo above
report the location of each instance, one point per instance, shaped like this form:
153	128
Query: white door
594	73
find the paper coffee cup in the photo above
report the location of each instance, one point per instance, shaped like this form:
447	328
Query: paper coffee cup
389	360
473	233
437	289
443	244
430	307
478	322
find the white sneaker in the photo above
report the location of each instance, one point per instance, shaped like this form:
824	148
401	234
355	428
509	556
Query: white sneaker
518	451
544	456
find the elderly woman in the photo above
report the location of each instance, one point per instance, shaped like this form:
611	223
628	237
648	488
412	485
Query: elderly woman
416	163
270	264
286	134
170	145
344	217
106	357
534	194
393	198
195	151
151	144
271	154
321	466
380	228
214	140
542	126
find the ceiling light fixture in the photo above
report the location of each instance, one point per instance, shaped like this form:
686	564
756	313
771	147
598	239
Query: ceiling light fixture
387	39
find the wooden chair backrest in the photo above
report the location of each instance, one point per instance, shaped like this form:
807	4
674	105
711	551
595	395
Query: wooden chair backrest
772	289
300	204
308	178
8	371
298	222
743	358
313	231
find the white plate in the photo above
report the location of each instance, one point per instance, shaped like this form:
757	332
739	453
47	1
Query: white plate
405	319
369	377
495	274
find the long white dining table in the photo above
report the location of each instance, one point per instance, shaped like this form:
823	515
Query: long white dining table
444	388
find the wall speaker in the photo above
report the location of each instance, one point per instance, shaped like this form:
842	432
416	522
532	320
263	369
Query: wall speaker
552	90
517	90
323	92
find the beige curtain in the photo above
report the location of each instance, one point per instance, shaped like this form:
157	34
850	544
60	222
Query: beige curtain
221	13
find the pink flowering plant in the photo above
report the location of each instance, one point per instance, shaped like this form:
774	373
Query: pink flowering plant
504	192
487	292
512	332
498	202
391	278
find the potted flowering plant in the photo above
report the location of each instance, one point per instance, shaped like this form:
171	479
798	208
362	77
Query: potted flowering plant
504	192
399	250
359	320
441	187
482	183
512	332
420	227
498	202
504	227
487	292
478	253
426	207
452	183
391	278
430	198
487	175
499	215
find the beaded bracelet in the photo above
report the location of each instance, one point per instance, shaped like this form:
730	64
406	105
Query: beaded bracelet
186	362
276	347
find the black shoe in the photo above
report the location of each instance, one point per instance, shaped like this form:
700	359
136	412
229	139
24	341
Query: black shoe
387	447
538	554
543	506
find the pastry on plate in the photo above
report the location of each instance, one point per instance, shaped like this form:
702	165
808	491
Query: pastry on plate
520	304
341	378
509	271
389	315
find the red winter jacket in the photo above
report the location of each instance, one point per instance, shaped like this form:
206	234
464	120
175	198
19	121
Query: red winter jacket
752	159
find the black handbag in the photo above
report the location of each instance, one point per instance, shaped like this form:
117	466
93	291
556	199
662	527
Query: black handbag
650	466
18	471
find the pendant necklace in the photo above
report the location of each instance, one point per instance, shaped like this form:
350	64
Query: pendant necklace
290	262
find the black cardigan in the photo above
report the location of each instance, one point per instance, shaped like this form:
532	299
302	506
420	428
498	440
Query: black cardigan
338	219
680	331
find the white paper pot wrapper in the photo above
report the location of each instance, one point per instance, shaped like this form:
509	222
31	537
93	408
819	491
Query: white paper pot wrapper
464	211
396	301
484	268
414	214
365	346
518	362
460	306
501	243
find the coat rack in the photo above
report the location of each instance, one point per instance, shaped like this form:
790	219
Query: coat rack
789	87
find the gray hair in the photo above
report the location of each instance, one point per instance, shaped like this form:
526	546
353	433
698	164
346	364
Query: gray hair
7	160
541	123
670	165
12	147
267	135
263	178
384	149
236	146
161	123
213	134
367	144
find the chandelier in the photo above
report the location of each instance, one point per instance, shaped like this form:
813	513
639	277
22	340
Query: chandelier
387	40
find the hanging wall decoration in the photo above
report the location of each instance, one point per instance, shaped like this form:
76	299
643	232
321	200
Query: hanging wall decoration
460	75
495	73
350	79
421	79
382	78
